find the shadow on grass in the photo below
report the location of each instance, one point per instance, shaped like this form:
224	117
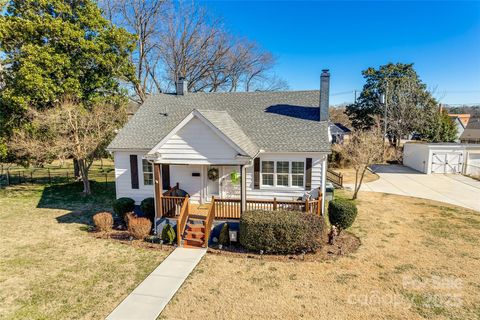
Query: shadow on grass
70	197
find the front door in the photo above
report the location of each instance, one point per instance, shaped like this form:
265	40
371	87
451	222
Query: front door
213	182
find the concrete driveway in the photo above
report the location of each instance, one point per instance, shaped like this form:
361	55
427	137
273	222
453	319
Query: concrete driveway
450	188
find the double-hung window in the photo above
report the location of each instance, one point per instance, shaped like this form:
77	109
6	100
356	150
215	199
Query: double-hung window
268	171
147	173
298	173
283	173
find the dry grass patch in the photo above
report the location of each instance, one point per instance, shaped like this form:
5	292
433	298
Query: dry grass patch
349	175
418	259
51	268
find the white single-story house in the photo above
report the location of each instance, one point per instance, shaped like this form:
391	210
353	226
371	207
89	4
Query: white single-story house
242	147
442	157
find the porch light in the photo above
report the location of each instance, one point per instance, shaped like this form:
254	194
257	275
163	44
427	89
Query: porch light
233	235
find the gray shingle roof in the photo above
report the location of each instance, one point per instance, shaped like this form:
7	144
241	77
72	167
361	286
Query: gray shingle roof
472	131
273	121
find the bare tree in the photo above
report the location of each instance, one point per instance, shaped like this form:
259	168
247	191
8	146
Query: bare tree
144	19
69	131
363	149
338	115
185	40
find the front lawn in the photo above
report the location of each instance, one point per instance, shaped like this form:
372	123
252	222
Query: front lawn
50	267
418	259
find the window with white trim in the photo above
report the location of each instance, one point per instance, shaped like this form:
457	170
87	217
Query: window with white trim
298	173
283	168
147	173
283	173
268	170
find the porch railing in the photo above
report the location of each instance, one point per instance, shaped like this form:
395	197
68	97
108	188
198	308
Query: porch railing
335	177
230	208
209	221
171	206
182	220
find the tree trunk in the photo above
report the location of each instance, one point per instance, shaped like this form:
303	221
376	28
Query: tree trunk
357	189
84	175
76	169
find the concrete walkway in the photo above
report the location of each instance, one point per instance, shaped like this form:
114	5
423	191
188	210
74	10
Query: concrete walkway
450	188
147	301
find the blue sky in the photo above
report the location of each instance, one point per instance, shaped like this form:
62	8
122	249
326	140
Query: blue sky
441	38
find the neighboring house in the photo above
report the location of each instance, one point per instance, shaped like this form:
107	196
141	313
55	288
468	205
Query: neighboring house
338	132
471	134
461	121
239	146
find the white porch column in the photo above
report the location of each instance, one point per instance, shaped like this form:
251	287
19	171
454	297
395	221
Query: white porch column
243	188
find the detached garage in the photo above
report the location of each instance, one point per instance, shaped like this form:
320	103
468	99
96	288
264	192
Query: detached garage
441	157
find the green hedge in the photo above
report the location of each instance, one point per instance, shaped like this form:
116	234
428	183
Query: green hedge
280	231
123	205
342	213
148	208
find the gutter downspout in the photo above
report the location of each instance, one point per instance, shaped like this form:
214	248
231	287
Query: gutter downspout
324	181
154	196
243	170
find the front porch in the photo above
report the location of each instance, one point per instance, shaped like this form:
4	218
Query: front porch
194	222
225	209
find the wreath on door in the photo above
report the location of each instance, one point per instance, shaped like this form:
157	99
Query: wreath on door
212	174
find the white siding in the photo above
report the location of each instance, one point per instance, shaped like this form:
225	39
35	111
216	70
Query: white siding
196	186
416	156
196	141
183	175
472	166
123	182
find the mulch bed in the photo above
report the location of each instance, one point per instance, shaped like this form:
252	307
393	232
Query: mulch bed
346	243
123	237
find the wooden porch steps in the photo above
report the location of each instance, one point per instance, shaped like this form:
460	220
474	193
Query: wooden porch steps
194	235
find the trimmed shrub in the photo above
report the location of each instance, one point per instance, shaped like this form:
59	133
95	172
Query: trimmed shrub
342	213
148	208
103	221
128	216
168	234
224	237
280	231
139	228
123	205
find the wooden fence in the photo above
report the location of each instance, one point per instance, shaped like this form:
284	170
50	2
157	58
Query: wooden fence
335	177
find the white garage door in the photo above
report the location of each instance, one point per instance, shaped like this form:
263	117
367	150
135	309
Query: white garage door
447	162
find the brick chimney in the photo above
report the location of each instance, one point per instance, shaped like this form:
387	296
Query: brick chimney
182	86
324	94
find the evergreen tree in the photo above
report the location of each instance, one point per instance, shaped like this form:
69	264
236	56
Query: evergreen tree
57	48
439	128
408	100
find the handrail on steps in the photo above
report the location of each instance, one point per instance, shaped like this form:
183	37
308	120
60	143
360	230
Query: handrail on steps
209	221
182	220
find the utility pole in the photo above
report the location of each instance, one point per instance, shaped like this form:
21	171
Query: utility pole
355	94
385	116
